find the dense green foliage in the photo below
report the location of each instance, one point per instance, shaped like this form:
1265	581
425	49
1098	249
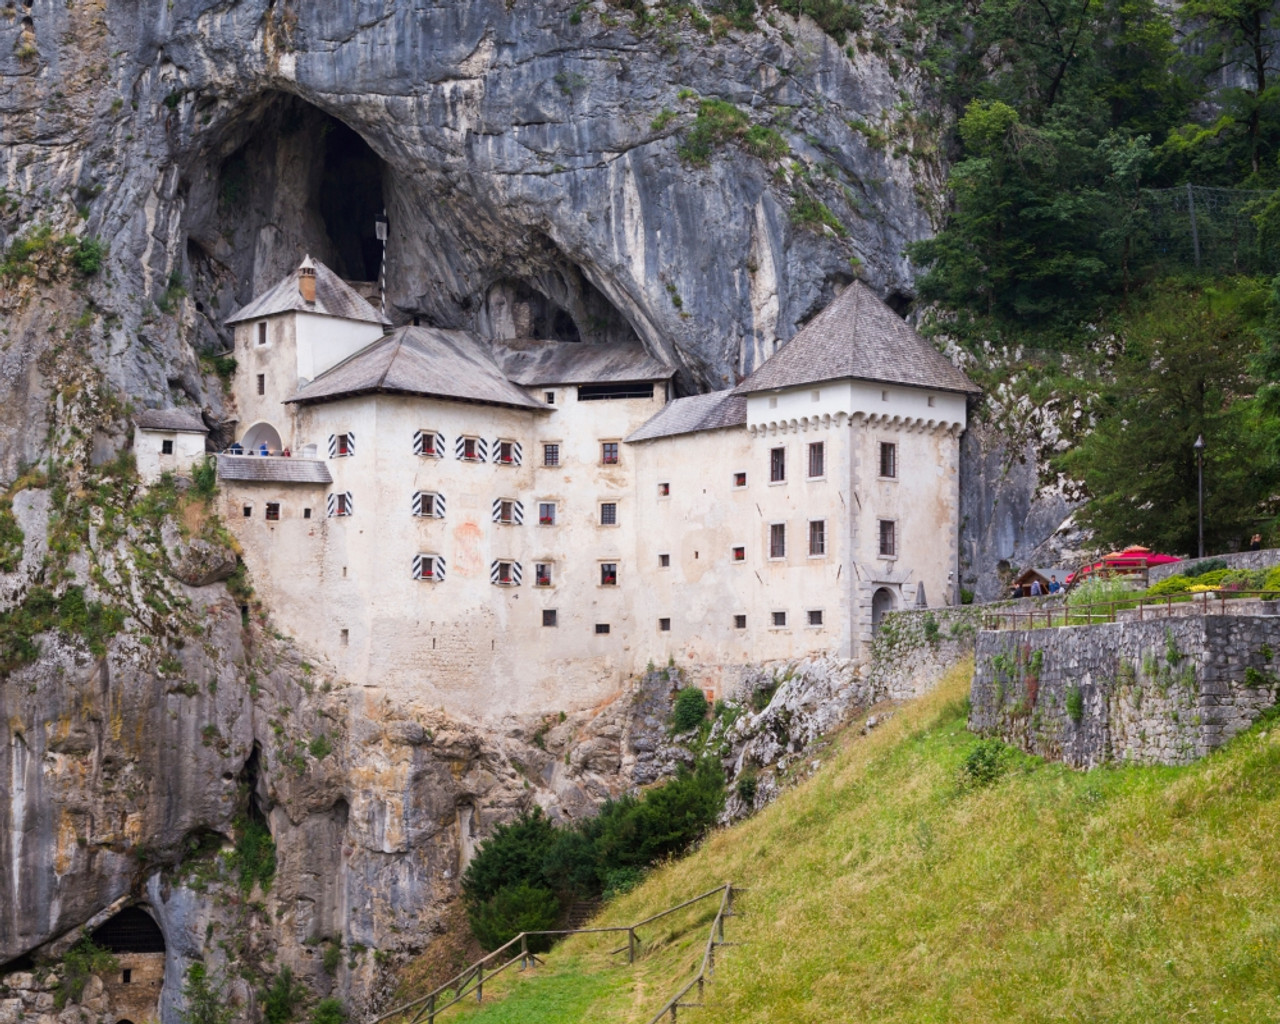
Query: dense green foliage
79	963
329	1011
42	612
530	870
1184	372
205	999
690	709
282	997
254	856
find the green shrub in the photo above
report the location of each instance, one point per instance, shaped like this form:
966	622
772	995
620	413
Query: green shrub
11	536
514	909
835	17
814	214
966	595
747	784
984	764
1271	582
930	628
331	958
690	709
88	255
1208	566
765	143
320	747
282	997
620	881
664	118
1171	585
329	1011
1075	704
79	963
717	122
204	478
254	856
205	999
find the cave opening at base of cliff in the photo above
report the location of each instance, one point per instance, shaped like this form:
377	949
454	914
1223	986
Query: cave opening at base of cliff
132	930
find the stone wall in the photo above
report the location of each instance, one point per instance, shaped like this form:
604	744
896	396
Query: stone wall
913	649
1163	692
1264	559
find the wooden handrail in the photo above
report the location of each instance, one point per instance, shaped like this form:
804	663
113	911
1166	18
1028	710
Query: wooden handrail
473	977
714	938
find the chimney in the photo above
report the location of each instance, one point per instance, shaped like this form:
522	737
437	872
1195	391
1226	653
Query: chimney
307	281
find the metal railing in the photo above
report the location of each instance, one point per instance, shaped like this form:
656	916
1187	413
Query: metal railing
516	951
1207	602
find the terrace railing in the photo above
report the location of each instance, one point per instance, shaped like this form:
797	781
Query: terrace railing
516	951
1085	613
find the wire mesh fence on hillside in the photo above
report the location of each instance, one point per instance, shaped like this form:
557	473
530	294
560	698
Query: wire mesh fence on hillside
1200	229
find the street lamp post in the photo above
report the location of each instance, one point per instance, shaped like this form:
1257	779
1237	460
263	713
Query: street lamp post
1199	447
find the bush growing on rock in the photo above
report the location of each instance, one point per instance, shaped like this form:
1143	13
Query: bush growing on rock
81	961
690	710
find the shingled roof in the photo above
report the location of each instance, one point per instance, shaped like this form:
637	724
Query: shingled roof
428	361
334	297
272	469
533	363
857	336
180	421
698	412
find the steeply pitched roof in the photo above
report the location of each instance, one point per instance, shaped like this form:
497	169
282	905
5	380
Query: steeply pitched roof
533	363
272	469
421	361
180	421
857	336
698	412
334	297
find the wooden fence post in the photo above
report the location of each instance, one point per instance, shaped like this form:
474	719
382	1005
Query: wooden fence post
631	945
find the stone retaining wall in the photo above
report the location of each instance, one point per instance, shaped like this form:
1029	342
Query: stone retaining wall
1264	559
913	649
1163	692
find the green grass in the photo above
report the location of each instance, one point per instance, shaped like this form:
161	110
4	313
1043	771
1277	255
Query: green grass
884	889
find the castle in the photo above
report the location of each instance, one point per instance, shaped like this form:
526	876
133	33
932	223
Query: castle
514	526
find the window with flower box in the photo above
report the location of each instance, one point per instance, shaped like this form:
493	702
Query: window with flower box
507	453
504	573
542	574
546	513
428	444
508	512
471	449
428	567
608	574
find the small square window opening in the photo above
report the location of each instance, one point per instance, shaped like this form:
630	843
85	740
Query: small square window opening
815	616
931	401
273	511
608	574
344	637
739	479
888	459
739	622
602	628
548	616
884	396
306	513
664	561
664	625
609	453
740	554
248	511
551	455
507	512
609	513
550	396
166	447
127	976
664	490
504	572
779	619
343	506
344	444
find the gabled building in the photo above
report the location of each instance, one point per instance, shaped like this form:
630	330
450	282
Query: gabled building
515	526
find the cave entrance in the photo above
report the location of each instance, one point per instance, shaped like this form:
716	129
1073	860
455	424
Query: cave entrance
132	930
350	201
137	943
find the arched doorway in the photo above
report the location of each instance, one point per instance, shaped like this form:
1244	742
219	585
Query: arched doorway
882	602
259	434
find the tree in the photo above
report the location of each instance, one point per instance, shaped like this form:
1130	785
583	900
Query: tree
206	1002
1185	371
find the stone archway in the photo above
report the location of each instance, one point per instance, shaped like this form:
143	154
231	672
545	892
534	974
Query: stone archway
882	602
259	434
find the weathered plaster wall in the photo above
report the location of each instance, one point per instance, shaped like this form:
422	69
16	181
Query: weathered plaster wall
1164	691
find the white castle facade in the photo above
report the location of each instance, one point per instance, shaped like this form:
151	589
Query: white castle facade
511	527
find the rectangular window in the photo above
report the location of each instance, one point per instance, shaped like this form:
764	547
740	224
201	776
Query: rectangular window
550	396
817	537
664	561
127	976
777	465
427	442
817	459
739	622
471	449
664	490
425	567
605	392
931	401
608	574
549	617
166	447
248	511
664	625
546	513
739	479
506	453
342	505
888	547
428	503
344	637
740	554
888	459
609	453
551	455
608	513
507	512
504	572
262	383
815	616
344	444
602	628
262	333
273	511
777	540
779	620
306	513
542	574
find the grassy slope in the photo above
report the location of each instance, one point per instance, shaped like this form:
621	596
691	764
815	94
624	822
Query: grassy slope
881	891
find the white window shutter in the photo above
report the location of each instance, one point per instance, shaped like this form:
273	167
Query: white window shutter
333	449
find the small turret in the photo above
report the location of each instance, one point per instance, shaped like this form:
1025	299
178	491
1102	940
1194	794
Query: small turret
307	281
